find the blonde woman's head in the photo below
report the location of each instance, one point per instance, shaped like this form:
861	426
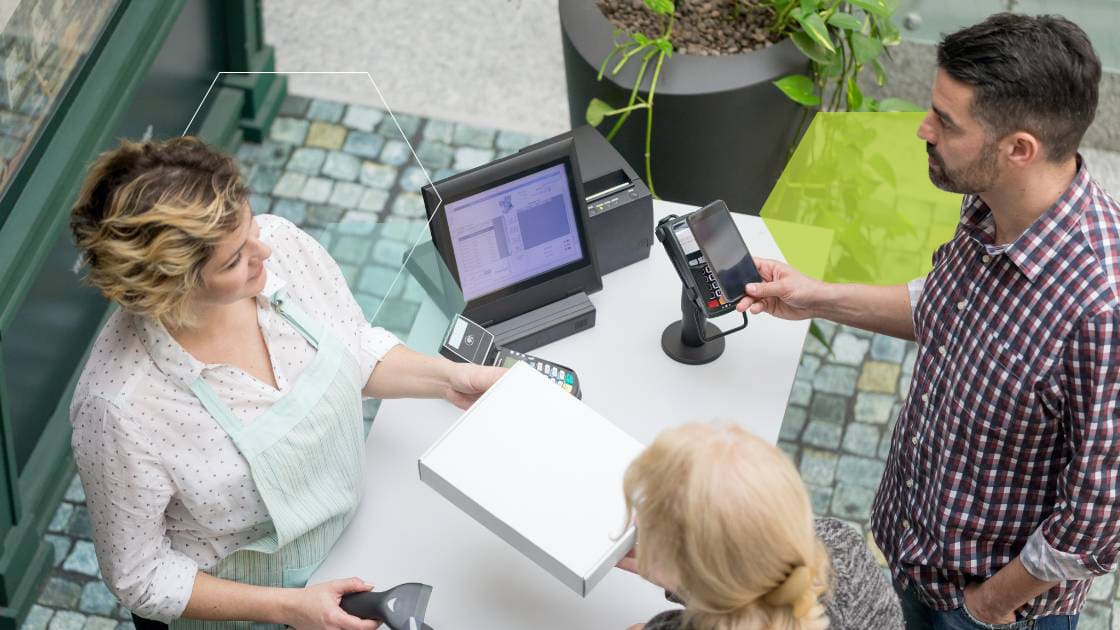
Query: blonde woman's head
165	229
727	516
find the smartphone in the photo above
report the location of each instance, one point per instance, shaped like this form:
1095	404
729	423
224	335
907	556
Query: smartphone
723	248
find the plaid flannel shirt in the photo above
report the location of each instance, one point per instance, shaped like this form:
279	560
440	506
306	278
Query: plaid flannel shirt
1009	439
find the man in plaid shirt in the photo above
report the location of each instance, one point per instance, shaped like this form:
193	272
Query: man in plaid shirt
1001	496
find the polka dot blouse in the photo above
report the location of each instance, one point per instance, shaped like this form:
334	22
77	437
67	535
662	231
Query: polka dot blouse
167	491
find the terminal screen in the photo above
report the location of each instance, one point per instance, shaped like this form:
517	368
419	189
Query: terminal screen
514	232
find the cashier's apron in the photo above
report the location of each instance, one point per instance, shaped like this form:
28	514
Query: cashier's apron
306	457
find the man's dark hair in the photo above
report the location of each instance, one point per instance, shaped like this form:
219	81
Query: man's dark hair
1034	74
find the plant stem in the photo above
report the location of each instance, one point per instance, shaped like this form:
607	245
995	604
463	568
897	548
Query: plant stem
649	112
626	57
633	97
649	125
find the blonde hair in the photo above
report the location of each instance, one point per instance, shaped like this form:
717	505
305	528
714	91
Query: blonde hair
727	515
148	218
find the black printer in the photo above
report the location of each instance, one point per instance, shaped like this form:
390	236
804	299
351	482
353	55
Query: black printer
619	204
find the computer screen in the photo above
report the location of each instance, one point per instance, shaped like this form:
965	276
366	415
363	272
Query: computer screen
515	231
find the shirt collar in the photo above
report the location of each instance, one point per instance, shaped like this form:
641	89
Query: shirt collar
170	357
1044	239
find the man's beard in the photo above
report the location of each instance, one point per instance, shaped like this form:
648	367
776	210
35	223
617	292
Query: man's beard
975	178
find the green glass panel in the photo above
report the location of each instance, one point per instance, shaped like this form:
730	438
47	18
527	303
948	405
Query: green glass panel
397	277
864	177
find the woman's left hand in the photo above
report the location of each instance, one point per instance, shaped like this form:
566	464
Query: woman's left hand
468	381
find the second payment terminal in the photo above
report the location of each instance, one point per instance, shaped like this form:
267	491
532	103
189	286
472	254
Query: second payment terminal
468	342
714	265
704	288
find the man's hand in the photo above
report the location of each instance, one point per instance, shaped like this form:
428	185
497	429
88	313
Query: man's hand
784	293
978	604
468	381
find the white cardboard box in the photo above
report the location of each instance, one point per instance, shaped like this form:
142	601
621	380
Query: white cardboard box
544	472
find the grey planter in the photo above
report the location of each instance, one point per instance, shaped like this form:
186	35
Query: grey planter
721	130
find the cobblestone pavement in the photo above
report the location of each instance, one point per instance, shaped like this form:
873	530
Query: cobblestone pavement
328	162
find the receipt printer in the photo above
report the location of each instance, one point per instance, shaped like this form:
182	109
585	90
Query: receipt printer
619	205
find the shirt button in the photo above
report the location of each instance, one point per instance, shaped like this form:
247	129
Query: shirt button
961	305
905	524
925	398
942	350
909	483
914	440
986	258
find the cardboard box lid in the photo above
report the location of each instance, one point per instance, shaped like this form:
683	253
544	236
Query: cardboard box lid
542	470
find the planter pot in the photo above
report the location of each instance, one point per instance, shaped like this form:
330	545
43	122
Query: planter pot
721	130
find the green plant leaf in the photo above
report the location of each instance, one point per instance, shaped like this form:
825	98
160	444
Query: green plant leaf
660	7
880	72
855	96
832	69
886	30
846	21
597	110
641	38
814	26
865	48
799	88
664	45
811	50
818	334
874	7
899	105
809	6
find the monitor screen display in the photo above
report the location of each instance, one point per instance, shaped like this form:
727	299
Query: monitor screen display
513	232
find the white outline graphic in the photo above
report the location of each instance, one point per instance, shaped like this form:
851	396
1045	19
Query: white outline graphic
404	136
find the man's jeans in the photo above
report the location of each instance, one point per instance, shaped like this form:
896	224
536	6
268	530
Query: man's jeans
919	616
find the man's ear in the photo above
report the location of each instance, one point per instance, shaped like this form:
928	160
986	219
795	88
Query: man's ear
1022	148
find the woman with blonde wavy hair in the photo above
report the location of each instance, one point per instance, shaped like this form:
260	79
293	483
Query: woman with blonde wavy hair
218	421
726	527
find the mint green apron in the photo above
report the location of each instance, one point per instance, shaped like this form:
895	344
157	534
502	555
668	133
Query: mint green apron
307	459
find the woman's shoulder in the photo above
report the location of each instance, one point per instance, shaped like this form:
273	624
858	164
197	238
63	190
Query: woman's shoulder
668	620
115	359
282	235
862	596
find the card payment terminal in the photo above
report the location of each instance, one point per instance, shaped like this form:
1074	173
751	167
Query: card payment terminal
468	342
700	282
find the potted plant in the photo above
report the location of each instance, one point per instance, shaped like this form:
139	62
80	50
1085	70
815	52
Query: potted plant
735	83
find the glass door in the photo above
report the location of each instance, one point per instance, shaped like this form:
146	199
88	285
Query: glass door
927	20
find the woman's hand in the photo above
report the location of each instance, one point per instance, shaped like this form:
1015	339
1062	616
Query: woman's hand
629	562
318	606
468	381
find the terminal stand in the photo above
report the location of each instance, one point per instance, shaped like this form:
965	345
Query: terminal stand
694	340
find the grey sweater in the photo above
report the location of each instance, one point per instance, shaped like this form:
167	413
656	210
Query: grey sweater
862	598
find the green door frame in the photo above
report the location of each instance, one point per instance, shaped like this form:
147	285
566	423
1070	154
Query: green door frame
38	202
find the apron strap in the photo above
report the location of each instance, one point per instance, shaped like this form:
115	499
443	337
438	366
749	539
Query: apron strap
311	330
218	410
309	327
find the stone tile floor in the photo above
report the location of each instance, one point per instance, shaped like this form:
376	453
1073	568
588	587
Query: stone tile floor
327	162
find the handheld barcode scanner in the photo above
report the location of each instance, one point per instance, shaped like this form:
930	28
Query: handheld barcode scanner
401	607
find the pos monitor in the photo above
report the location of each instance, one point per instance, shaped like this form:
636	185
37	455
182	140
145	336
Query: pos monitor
513	233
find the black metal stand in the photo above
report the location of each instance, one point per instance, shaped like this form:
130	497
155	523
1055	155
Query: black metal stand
694	340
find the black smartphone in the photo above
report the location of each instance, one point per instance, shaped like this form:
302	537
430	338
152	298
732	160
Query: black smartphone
723	248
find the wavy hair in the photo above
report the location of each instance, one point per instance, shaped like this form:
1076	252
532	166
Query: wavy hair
728	516
148	218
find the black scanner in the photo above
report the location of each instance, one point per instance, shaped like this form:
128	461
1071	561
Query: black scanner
619	204
401	608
